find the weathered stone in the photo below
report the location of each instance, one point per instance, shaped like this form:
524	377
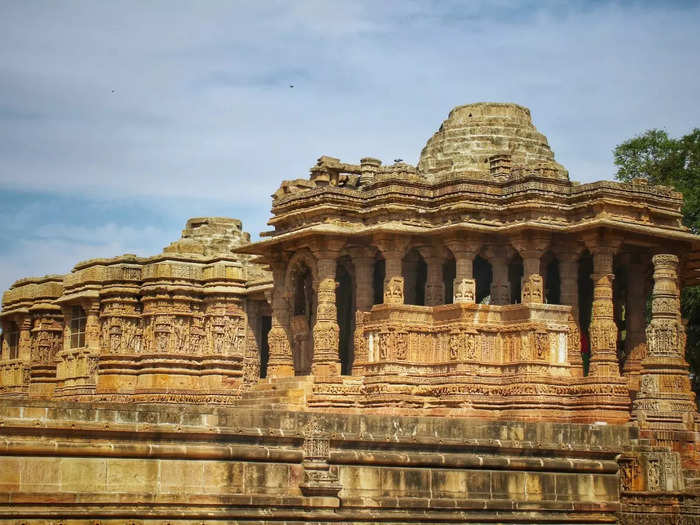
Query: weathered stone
408	345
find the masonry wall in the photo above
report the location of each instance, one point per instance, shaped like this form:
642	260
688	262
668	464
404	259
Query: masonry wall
182	464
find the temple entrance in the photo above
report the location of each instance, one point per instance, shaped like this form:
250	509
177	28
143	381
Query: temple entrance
303	318
449	273
483	274
345	307
415	273
515	278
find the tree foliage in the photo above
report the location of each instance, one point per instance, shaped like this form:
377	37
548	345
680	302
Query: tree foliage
660	159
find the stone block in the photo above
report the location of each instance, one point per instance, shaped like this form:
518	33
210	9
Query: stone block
132	475
83	474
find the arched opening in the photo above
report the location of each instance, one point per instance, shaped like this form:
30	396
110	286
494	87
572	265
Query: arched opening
515	278
483	274
415	273
551	279
345	308
449	273
303	318
378	276
585	305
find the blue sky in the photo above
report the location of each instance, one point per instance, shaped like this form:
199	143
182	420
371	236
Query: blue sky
120	120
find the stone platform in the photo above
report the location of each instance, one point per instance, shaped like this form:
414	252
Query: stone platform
66	463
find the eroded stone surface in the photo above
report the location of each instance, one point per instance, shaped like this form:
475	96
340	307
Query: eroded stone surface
461	340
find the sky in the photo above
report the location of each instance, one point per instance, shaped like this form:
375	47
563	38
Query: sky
121	120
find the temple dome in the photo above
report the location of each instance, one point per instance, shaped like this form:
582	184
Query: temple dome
475	134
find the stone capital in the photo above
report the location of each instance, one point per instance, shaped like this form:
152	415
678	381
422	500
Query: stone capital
498	252
601	242
531	245
391	245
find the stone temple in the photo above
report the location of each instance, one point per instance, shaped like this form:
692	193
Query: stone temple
474	339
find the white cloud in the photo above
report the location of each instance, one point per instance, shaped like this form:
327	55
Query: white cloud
176	101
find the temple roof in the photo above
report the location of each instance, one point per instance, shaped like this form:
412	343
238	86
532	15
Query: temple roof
474	136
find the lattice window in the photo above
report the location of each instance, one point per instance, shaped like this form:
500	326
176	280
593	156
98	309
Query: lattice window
12	338
77	327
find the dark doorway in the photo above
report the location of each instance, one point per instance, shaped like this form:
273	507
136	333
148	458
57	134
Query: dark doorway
415	273
345	307
515	278
265	325
449	273
378	280
552	282
483	275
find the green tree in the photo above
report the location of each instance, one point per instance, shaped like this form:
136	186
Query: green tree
659	159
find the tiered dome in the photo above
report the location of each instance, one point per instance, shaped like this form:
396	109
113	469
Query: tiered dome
475	135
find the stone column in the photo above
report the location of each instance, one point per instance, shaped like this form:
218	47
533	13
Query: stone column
568	257
499	257
434	283
92	325
635	342
363	260
393	248
280	362
568	278
326	332
603	330
24	350
531	250
665	400
464	286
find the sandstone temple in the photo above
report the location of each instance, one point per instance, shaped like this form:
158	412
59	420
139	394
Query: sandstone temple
473	339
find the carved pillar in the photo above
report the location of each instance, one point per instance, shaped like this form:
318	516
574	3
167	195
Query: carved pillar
326	332
464	286
665	400
635	342
364	261
603	330
364	280
434	284
280	362
499	256
393	249
92	325
568	257
24	324
531	249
